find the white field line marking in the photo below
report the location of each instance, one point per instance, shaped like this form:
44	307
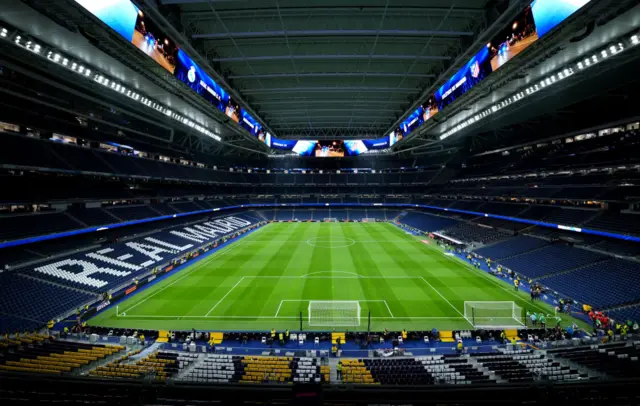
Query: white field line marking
330	277
331	300
155	316
498	283
443	298
223	297
195	268
278	311
363	241
386	304
330	272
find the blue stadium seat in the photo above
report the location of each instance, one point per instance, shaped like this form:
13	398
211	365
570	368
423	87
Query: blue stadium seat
512	246
552	259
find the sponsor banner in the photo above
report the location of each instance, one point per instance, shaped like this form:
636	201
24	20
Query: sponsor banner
131	290
168	269
151	278
102	305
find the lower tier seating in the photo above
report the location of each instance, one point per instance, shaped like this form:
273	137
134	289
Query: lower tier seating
605	284
619	360
40	354
512	246
34	301
427	222
471	233
551	259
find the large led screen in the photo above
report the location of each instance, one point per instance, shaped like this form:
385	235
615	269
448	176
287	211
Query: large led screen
120	15
329	149
540	17
549	13
130	22
188	72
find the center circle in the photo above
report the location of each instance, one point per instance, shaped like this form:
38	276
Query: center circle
336	242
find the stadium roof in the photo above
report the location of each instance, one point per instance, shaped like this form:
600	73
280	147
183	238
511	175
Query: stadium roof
332	69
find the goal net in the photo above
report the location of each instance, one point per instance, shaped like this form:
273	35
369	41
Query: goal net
330	313
330	220
368	220
498	315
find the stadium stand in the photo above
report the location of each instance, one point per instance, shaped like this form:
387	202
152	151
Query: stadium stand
25	301
619	278
473	233
39	354
116	179
614	359
427	222
552	259
511	247
158	365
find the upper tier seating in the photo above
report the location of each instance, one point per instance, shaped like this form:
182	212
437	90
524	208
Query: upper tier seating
511	247
602	285
93	216
71	157
16	227
623	223
127	213
551	259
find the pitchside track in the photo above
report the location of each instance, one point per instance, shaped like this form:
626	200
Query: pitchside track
266	280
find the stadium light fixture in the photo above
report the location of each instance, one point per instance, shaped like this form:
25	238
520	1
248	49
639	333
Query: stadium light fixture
75	66
545	82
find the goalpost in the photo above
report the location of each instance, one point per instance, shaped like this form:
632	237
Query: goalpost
334	313
499	315
330	220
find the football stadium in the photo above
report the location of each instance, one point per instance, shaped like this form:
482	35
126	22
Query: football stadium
223	202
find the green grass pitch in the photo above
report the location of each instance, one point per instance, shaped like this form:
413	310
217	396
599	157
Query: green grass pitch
266	279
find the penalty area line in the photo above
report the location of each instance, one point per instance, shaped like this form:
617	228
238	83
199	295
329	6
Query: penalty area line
445	299
196	267
386	304
223	297
278	311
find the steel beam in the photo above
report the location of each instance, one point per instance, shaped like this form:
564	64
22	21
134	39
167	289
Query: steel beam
330	33
331	75
298	111
272	58
330	89
350	102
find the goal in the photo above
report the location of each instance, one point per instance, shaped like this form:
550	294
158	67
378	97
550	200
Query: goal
330	313
330	220
368	220
498	315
